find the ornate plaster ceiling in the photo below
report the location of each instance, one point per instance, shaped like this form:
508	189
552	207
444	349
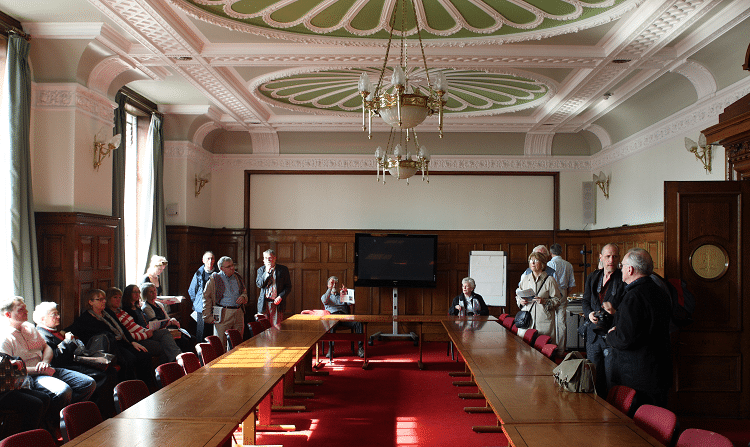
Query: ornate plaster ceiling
534	66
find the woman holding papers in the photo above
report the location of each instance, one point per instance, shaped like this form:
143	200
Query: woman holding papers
539	294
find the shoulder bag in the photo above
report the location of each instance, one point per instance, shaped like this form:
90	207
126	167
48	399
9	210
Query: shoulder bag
575	374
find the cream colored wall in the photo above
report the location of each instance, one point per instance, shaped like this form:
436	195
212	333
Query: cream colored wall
63	176
448	202
636	194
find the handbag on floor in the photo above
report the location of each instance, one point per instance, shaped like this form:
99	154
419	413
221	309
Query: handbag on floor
575	374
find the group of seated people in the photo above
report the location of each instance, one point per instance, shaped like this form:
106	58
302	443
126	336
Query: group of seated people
132	326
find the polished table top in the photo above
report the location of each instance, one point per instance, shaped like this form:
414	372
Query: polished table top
227	398
582	434
538	399
155	433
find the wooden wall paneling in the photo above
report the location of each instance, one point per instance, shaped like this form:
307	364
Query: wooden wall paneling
75	254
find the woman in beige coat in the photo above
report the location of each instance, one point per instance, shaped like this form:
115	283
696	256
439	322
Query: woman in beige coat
547	297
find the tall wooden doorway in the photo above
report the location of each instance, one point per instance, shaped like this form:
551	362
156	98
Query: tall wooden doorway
707	237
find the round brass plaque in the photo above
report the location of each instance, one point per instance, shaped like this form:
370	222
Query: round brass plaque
709	261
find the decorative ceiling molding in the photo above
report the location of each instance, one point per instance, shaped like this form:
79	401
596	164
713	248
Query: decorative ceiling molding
186	150
601	134
702	79
469	93
105	72
538	144
697	116
202	131
72	97
265	143
360	24
367	163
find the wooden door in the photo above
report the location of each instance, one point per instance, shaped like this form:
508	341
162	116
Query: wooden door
707	241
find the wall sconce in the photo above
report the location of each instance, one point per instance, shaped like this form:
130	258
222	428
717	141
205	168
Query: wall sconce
102	149
701	150
602	181
200	181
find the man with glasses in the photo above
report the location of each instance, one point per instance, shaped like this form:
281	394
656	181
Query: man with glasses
275	285
225	291
603	291
639	339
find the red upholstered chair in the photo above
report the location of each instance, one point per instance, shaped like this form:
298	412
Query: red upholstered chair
129	393
501	318
514	329
549	350
205	352
508	322
77	418
529	336
265	323
36	438
657	422
215	341
189	362
255	328
168	372
621	397
540	341
234	338
694	437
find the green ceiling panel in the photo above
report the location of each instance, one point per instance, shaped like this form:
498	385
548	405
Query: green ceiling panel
442	19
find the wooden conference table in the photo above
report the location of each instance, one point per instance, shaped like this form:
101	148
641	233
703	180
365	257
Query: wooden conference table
205	407
517	383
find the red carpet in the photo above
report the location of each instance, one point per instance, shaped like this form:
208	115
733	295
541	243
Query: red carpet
392	404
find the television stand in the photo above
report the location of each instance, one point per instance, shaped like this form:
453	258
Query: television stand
395	334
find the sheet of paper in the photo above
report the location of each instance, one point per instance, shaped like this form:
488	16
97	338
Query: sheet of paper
217	314
526	293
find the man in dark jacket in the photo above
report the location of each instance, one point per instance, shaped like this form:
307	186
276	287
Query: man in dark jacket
604	289
640	335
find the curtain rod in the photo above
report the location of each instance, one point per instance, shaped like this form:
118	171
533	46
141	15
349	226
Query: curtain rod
9	25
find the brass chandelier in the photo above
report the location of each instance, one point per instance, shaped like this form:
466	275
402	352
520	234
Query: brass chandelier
403	106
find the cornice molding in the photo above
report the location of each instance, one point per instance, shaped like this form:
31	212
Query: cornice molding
701	78
74	97
105	72
700	115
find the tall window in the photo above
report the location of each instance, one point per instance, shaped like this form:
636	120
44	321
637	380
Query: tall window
6	262
138	196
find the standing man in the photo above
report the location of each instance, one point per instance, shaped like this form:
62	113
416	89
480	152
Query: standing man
565	280
225	290
604	289
197	285
275	285
640	335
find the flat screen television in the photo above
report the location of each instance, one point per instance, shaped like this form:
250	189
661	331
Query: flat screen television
395	260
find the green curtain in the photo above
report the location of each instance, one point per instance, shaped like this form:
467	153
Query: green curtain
118	190
22	224
158	243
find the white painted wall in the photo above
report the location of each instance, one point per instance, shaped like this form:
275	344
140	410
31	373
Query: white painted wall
448	202
636	193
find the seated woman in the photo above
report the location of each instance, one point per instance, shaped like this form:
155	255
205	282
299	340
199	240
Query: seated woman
469	303
155	311
63	344
133	358
155	268
159	342
547	297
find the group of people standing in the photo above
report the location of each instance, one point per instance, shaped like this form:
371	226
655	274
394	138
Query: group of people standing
219	296
627	314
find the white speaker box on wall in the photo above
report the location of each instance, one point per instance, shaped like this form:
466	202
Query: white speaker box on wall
589	203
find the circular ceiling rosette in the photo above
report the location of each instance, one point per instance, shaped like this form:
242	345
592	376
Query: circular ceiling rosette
469	92
485	20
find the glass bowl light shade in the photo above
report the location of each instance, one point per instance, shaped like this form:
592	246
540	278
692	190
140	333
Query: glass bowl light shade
402	169
414	110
